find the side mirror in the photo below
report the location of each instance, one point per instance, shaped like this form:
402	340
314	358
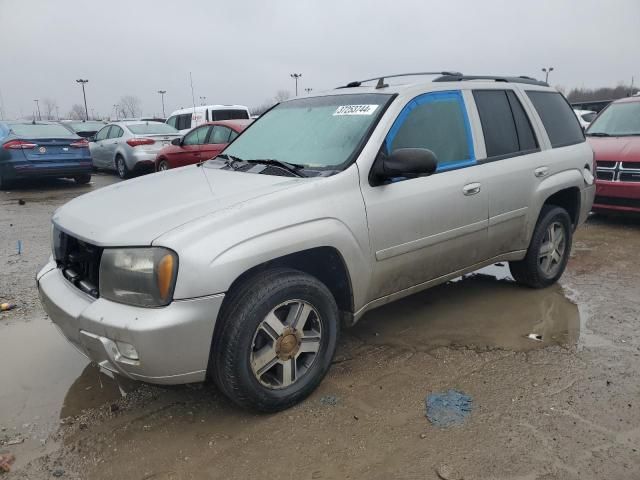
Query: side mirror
176	141
405	162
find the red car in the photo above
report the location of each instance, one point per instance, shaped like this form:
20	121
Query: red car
615	138
201	143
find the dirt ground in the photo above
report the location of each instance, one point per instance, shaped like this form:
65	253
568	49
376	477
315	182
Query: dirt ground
566	407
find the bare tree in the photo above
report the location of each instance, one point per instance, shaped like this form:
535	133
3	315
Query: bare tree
610	93
260	109
76	112
130	106
282	95
50	107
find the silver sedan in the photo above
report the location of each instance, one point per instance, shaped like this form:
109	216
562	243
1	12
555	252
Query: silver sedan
130	146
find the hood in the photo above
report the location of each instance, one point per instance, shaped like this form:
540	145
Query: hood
616	149
135	212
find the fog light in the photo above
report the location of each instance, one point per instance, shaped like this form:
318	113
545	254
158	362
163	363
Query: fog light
127	350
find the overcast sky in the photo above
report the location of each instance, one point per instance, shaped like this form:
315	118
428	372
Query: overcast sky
244	51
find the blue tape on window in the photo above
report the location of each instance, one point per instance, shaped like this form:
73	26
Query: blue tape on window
429	98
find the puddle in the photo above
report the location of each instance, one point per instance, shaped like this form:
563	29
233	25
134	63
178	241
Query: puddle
483	310
43	380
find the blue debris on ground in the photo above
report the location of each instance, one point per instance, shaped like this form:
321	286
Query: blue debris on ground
446	409
330	400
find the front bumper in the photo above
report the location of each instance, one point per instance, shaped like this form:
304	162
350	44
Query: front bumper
172	342
617	196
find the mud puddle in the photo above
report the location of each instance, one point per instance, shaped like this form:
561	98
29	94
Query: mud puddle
483	310
43	381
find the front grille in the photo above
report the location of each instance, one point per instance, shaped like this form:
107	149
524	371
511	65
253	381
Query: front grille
605	175
630	165
617	201
606	164
79	262
629	177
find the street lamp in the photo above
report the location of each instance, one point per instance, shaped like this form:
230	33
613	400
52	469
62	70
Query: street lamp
547	71
308	90
115	107
37	109
86	110
296	76
162	92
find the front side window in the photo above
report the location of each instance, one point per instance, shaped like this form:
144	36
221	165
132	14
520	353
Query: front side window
195	137
219	134
102	134
438	122
559	121
618	119
323	133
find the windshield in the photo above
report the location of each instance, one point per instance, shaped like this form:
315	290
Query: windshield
40	130
152	128
317	133
617	119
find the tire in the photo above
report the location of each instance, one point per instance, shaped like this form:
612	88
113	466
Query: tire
249	362
538	270
4	183
121	168
82	179
163	165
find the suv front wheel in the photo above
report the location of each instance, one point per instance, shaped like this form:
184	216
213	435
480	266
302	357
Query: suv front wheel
548	251
276	340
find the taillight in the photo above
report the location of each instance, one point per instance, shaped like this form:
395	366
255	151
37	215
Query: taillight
135	142
80	143
19	145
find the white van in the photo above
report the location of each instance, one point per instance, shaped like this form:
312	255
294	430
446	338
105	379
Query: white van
187	118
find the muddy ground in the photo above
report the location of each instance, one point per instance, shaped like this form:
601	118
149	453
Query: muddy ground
567	407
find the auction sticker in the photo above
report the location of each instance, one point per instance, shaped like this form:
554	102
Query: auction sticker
355	110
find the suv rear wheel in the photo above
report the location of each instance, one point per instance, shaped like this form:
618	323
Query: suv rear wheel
276	340
548	252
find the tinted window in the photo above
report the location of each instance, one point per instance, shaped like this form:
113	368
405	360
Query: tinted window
526	137
41	130
151	128
436	122
228	114
184	121
116	132
102	134
220	135
557	117
195	137
498	126
172	121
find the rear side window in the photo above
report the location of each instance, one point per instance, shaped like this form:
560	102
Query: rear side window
557	117
219	135
116	132
438	122
183	121
506	127
102	134
229	114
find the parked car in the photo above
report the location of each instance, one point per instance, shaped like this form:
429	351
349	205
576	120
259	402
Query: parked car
187	118
130	146
241	269
585	117
593	105
42	149
615	138
84	129
201	143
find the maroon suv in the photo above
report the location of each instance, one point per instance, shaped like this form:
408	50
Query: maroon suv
615	138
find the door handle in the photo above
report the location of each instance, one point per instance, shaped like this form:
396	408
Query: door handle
471	189
541	172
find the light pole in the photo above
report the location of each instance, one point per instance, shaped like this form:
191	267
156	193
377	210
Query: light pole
308	90
162	92
86	110
38	109
115	108
203	100
296	76
547	71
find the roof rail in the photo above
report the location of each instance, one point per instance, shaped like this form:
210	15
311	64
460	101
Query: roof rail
381	83
520	79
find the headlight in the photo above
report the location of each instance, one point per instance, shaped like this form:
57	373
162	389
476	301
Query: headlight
143	277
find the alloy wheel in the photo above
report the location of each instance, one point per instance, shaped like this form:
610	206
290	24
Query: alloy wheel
552	249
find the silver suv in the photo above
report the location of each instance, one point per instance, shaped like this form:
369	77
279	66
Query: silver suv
242	268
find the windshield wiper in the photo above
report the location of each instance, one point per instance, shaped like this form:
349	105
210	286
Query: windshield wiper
229	159
289	167
597	134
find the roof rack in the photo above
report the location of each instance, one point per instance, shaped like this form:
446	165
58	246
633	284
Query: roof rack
381	83
447	77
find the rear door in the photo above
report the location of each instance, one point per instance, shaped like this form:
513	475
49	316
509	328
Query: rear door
511	152
217	141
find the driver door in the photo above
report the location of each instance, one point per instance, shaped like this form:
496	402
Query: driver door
97	148
427	227
191	149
